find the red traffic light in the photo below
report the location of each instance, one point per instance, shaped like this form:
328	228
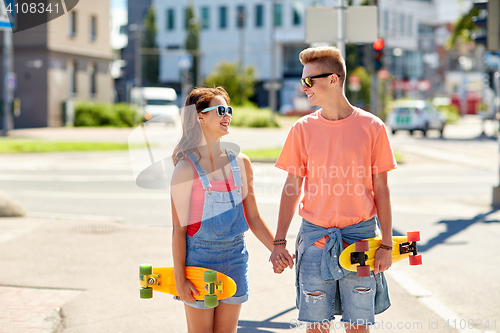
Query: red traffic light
378	44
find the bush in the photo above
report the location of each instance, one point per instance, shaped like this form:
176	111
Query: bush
101	114
251	116
450	112
239	86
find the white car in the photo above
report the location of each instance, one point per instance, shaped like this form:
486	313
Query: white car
156	104
415	115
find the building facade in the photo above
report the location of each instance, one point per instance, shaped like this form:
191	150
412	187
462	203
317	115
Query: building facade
66	59
412	27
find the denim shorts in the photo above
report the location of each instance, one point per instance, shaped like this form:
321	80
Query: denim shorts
357	293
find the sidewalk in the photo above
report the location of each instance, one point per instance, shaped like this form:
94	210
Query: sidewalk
82	276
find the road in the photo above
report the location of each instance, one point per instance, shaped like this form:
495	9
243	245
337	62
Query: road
443	188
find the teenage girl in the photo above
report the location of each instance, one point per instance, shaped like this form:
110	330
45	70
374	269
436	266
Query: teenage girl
213	204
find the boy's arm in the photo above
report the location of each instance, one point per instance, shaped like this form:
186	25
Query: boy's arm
290	198
383	258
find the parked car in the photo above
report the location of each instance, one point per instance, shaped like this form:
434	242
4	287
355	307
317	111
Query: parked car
415	115
156	104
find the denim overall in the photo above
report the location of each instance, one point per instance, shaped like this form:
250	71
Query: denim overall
219	244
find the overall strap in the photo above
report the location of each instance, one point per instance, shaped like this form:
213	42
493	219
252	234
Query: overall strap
201	173
235	168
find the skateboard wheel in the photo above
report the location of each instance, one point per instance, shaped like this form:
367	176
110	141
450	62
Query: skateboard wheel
362	246
146	269
363	270
210	301
146	293
413	236
416	260
210	276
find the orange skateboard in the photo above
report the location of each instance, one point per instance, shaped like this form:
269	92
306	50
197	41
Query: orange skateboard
360	256
211	285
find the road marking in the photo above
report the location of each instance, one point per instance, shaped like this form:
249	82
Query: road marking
425	297
68	178
57	216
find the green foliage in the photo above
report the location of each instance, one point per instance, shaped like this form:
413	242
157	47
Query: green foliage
450	112
251	116
364	93
14	146
101	114
240	86
463	28
192	40
151	62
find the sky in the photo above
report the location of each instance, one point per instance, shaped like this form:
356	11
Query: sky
119	4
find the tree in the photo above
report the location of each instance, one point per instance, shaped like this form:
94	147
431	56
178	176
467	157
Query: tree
464	28
240	86
151	62
192	41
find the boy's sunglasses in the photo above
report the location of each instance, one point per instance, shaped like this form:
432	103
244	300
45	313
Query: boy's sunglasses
221	110
308	80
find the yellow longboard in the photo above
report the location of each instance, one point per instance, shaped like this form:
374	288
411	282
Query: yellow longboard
211	285
360	256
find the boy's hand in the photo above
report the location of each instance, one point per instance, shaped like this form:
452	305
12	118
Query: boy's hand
383	260
281	259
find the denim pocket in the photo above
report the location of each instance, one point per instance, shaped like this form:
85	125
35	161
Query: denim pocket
222	219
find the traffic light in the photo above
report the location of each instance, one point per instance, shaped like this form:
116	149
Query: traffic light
378	47
489	22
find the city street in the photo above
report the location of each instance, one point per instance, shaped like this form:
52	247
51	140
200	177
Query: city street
443	188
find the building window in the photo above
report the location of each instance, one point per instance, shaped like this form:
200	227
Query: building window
223	17
259	16
278	14
410	25
72	71
240	16
93	28
386	21
402	24
72	24
187	16
205	18
297	9
170	19
93	79
394	23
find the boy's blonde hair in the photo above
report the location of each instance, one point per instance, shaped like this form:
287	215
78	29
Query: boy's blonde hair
328	59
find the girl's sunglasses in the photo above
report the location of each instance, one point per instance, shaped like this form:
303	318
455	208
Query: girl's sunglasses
308	80
221	110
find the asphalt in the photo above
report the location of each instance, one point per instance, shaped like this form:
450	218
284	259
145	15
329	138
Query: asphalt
82	276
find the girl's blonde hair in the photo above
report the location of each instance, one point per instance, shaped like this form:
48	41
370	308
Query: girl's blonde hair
197	100
328	58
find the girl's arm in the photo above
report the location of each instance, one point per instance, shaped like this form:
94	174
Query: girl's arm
180	189
255	221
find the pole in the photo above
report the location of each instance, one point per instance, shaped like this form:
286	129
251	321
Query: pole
7	89
273	102
341	27
138	56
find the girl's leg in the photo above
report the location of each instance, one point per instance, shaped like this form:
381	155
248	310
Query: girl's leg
226	318
199	320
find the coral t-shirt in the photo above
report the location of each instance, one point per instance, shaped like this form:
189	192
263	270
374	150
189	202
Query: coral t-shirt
337	160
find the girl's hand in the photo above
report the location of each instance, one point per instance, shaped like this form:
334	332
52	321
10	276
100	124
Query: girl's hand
186	289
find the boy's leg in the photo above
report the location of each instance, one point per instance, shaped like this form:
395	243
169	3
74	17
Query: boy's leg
358	302
317	297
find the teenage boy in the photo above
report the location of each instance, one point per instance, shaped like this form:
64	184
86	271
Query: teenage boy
341	154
